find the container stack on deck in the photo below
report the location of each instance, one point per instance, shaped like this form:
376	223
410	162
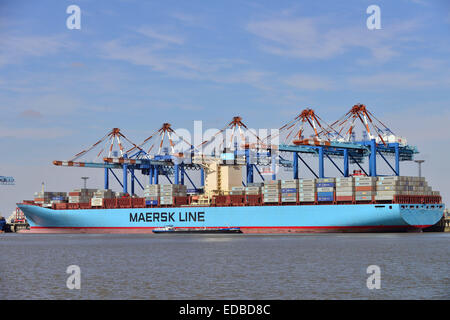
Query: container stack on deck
100	195
307	190
356	189
388	187
237	191
365	188
345	189
151	194
47	198
254	188
169	191
289	190
271	191
81	195
325	189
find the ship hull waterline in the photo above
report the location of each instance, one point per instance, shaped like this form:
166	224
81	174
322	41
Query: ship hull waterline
250	219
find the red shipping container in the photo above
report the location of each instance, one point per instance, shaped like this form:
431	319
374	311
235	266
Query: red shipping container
124	202
138	202
344	198
237	200
181	200
73	206
365	188
60	206
85	205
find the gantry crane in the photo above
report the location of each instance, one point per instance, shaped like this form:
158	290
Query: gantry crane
333	142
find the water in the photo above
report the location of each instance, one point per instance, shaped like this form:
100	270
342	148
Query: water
325	266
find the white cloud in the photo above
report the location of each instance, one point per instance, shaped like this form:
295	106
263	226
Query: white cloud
310	82
219	70
429	64
164	37
315	38
381	81
21	47
185	18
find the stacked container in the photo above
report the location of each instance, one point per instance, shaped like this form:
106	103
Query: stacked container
60	198
237	191
256	184
417	186
168	191
271	191
345	189
289	190
81	195
252	190
307	190
47	198
325	189
104	194
151	194
388	187
365	188
99	195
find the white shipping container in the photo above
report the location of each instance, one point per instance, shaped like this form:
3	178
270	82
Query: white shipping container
325	180
344	180
312	190
384	197
289	200
325	189
365	183
345	189
364	179
344	194
364	193
96	202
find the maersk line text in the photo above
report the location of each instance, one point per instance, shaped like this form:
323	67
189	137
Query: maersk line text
167	216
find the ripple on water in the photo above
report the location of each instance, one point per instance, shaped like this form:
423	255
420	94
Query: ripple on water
310	266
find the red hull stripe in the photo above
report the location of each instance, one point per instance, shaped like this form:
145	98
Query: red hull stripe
292	227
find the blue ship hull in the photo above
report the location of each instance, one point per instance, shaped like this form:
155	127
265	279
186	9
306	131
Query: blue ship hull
250	219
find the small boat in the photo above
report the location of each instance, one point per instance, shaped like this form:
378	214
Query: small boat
171	229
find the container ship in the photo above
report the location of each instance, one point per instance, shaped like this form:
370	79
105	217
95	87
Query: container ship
358	202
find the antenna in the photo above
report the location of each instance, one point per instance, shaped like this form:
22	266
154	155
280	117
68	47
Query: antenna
420	166
85	179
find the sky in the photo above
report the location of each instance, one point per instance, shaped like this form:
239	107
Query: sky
137	64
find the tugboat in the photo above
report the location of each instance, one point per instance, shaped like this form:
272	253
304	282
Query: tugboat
171	229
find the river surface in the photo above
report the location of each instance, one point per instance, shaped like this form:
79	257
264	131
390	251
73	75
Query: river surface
302	266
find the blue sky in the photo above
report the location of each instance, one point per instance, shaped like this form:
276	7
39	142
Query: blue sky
137	64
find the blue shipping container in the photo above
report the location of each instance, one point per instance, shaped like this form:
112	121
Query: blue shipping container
289	190
325	194
324	198
325	184
151	202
